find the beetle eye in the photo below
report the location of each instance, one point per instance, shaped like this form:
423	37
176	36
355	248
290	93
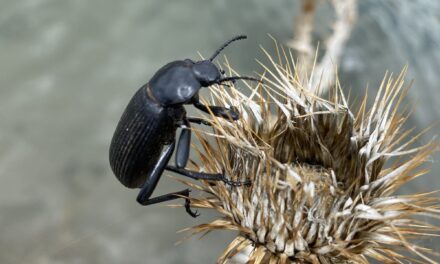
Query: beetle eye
222	72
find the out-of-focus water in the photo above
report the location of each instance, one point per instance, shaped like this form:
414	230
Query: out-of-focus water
67	69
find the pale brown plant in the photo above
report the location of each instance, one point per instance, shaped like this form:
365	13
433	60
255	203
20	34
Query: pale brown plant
345	12
323	176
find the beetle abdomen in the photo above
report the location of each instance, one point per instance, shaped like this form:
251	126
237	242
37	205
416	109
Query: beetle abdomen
138	140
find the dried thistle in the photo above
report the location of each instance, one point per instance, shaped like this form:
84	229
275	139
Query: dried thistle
323	177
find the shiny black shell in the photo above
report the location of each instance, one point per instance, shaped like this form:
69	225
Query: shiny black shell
143	130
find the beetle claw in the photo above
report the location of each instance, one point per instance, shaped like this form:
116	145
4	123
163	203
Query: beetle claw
247	182
233	113
188	209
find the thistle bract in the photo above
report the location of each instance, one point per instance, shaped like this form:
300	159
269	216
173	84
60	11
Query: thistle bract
323	175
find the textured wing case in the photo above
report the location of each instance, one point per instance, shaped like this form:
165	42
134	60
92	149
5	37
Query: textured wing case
136	144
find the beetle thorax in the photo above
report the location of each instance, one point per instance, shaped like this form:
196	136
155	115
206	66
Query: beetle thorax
174	84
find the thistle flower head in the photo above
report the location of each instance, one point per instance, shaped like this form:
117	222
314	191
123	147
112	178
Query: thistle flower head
323	176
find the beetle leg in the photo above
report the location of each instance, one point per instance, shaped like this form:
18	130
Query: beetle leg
188	205
219	111
173	196
199	121
207	176
216	110
149	186
155	173
183	145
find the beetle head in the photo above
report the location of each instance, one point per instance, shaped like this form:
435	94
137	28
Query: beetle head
206	72
179	81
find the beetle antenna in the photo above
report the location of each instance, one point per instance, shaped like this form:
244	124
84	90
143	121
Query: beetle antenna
233	78
225	45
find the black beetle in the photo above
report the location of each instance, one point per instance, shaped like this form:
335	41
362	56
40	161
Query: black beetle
149	124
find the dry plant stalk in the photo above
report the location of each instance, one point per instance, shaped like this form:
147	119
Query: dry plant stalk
324	69
322	190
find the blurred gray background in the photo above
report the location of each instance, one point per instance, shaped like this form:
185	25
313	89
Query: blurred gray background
68	68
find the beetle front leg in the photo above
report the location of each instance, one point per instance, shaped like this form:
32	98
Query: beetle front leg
199	121
216	110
